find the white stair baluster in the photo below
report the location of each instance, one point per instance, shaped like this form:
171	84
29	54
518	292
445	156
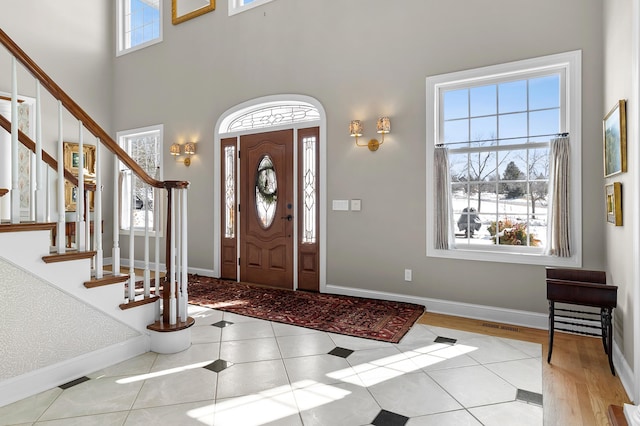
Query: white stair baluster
115	252
41	179
147	274
80	202
183	251
15	178
132	207
97	214
172	260
61	219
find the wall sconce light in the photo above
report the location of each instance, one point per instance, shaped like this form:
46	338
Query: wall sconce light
189	150
383	126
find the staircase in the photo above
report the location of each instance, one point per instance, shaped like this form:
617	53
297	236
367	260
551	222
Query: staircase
64	316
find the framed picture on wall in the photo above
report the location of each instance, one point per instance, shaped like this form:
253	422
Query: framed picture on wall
614	128
72	159
614	203
71	163
71	197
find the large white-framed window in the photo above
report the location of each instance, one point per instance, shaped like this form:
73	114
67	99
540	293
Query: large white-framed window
496	124
139	24
237	6
136	198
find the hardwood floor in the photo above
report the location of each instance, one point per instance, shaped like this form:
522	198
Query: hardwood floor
578	386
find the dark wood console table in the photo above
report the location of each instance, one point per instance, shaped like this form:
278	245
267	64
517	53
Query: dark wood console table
70	232
585	288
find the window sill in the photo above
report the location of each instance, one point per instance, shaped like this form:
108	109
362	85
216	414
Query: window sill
506	257
122	52
234	10
139	233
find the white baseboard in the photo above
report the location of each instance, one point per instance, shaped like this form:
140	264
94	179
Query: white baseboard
623	370
34	382
203	272
460	309
139	264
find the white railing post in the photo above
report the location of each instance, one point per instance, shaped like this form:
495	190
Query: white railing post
32	187
132	271
115	252
15	177
172	260
41	189
47	201
97	214
147	273
183	250
60	236
81	194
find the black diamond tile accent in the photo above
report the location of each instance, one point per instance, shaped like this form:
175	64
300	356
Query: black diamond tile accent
341	352
74	382
529	397
387	418
445	340
218	365
222	324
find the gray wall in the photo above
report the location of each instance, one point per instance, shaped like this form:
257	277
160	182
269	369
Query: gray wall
619	239
362	59
73	42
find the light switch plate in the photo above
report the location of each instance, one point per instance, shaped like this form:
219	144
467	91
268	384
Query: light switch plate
356	205
341	205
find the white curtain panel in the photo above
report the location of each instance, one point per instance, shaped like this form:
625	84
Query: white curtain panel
442	204
558	206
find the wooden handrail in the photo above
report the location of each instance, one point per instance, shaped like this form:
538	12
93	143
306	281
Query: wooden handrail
3	191
77	112
31	145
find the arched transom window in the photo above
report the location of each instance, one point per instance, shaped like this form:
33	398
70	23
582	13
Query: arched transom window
269	115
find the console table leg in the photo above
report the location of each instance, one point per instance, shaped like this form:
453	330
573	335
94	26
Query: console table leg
603	326
607	329
551	330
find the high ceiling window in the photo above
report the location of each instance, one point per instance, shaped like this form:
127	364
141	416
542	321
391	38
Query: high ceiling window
139	24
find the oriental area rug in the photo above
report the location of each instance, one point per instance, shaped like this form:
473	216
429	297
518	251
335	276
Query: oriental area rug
354	316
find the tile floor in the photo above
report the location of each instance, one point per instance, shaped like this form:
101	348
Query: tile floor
244	371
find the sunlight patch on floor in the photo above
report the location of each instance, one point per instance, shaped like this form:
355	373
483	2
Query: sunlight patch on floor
380	370
270	405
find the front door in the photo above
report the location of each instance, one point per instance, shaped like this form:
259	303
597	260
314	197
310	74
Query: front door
266	208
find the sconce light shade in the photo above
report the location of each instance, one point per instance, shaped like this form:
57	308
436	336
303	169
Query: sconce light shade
384	125
175	149
190	148
355	128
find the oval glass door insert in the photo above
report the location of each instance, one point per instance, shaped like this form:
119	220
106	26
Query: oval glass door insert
266	191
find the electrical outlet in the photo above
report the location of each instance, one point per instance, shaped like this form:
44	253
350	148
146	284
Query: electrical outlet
407	274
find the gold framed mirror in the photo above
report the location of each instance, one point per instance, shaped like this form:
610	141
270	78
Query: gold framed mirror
183	10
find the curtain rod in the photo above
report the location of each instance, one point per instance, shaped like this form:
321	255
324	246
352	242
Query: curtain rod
564	135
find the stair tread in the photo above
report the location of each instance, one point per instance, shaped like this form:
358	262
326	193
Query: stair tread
68	255
26	226
139	302
163	327
106	280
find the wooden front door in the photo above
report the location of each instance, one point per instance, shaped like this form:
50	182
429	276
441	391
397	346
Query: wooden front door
266	208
